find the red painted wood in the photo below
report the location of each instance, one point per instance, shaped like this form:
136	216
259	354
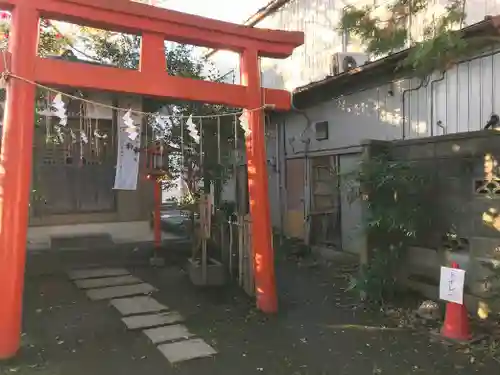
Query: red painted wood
135	18
157	214
5	56
153	54
149	14
263	254
52	72
15	176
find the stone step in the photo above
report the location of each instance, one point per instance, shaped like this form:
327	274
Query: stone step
81	241
120	291
161	335
137	305
152	320
185	350
89	273
107	281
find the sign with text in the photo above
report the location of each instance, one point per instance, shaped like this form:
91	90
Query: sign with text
451	285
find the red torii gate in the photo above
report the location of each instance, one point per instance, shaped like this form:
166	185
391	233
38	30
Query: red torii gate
154	25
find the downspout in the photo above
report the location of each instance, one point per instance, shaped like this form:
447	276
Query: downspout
403	105
307	196
283	178
279	185
441	78
433	82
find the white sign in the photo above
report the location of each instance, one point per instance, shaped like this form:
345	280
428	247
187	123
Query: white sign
451	285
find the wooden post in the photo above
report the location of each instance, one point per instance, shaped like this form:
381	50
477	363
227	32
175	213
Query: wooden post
263	254
157	215
15	174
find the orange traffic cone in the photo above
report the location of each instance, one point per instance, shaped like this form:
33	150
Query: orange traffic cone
456	321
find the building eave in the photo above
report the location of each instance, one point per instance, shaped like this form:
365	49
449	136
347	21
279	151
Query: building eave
357	79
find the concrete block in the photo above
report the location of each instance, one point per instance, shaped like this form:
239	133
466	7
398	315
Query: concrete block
107	281
216	273
156	261
96	272
167	333
120	291
186	350
487	247
137	305
152	320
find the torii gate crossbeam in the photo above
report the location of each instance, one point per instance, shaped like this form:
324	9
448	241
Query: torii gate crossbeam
155	26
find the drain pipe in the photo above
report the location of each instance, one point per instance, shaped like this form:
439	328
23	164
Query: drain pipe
279	185
306	199
433	82
441	78
283	177
403	105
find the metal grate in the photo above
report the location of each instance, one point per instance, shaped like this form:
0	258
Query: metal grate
487	187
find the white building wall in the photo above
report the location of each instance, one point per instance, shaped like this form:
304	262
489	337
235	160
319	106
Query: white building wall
311	61
463	99
274	168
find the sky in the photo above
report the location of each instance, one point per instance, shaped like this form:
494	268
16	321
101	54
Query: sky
235	11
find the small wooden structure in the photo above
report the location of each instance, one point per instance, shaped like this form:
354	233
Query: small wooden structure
236	246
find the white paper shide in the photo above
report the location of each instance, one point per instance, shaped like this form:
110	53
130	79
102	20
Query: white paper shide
129	142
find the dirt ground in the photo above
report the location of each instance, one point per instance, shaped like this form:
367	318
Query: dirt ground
319	329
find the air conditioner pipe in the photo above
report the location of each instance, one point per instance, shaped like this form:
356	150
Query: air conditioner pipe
306	199
421	84
433	82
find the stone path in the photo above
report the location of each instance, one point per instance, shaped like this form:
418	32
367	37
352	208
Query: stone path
107	281
131	297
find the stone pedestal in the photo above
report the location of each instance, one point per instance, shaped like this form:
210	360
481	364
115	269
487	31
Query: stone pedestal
216	273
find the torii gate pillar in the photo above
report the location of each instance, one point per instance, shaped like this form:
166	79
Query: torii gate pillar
263	255
15	175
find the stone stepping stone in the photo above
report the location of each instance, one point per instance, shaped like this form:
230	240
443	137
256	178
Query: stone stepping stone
138	305
107	281
152	320
120	291
167	333
96	272
185	350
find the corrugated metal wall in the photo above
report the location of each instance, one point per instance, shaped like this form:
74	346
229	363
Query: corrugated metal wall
461	100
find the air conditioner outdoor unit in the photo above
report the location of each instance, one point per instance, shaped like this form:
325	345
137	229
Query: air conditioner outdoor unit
344	61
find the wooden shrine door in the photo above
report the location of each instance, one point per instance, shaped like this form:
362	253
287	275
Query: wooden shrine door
70	176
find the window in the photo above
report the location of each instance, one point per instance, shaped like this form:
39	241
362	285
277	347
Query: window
321	130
